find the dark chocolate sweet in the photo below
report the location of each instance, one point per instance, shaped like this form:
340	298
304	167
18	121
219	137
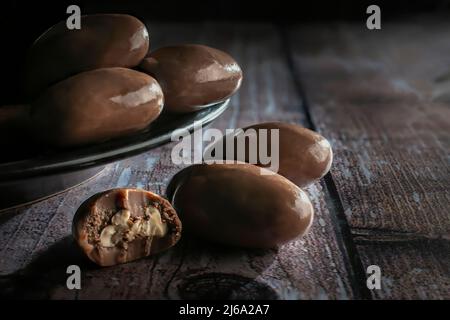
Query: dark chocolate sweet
304	156
95	106
240	204
104	40
122	225
14	123
193	76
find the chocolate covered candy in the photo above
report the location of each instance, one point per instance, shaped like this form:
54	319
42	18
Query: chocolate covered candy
122	225
104	40
95	106
304	156
193	76
237	205
14	123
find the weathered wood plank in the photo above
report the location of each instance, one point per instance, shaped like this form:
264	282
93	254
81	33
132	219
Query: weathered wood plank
410	269
38	246
382	99
372	94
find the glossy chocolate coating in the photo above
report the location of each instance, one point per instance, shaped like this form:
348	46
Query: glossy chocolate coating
236	205
96	213
95	106
104	40
304	155
193	76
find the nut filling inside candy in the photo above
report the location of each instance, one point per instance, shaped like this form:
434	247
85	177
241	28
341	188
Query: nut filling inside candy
122	225
124	228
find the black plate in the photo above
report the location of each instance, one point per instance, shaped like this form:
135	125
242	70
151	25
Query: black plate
158	133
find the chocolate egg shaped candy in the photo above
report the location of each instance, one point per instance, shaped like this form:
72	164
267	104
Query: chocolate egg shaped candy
96	106
240	204
193	76
299	154
104	40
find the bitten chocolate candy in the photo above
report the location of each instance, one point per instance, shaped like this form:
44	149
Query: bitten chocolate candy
193	76
104	40
237	205
95	106
122	225
304	155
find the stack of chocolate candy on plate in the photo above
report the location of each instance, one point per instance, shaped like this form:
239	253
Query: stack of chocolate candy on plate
102	82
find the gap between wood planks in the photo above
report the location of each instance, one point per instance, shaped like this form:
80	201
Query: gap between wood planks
341	226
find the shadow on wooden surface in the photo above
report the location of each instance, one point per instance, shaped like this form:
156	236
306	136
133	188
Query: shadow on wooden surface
47	271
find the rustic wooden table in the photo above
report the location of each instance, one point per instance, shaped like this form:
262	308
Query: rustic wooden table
381	97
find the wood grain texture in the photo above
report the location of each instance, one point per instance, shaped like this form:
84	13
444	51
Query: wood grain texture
382	98
37	247
377	97
410	269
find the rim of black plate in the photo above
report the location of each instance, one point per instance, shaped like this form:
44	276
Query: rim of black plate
61	161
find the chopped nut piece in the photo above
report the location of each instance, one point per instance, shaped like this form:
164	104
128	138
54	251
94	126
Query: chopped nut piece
106	236
136	227
122	227
159	227
151	211
146	229
121	218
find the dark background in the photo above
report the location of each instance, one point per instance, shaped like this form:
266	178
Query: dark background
23	21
